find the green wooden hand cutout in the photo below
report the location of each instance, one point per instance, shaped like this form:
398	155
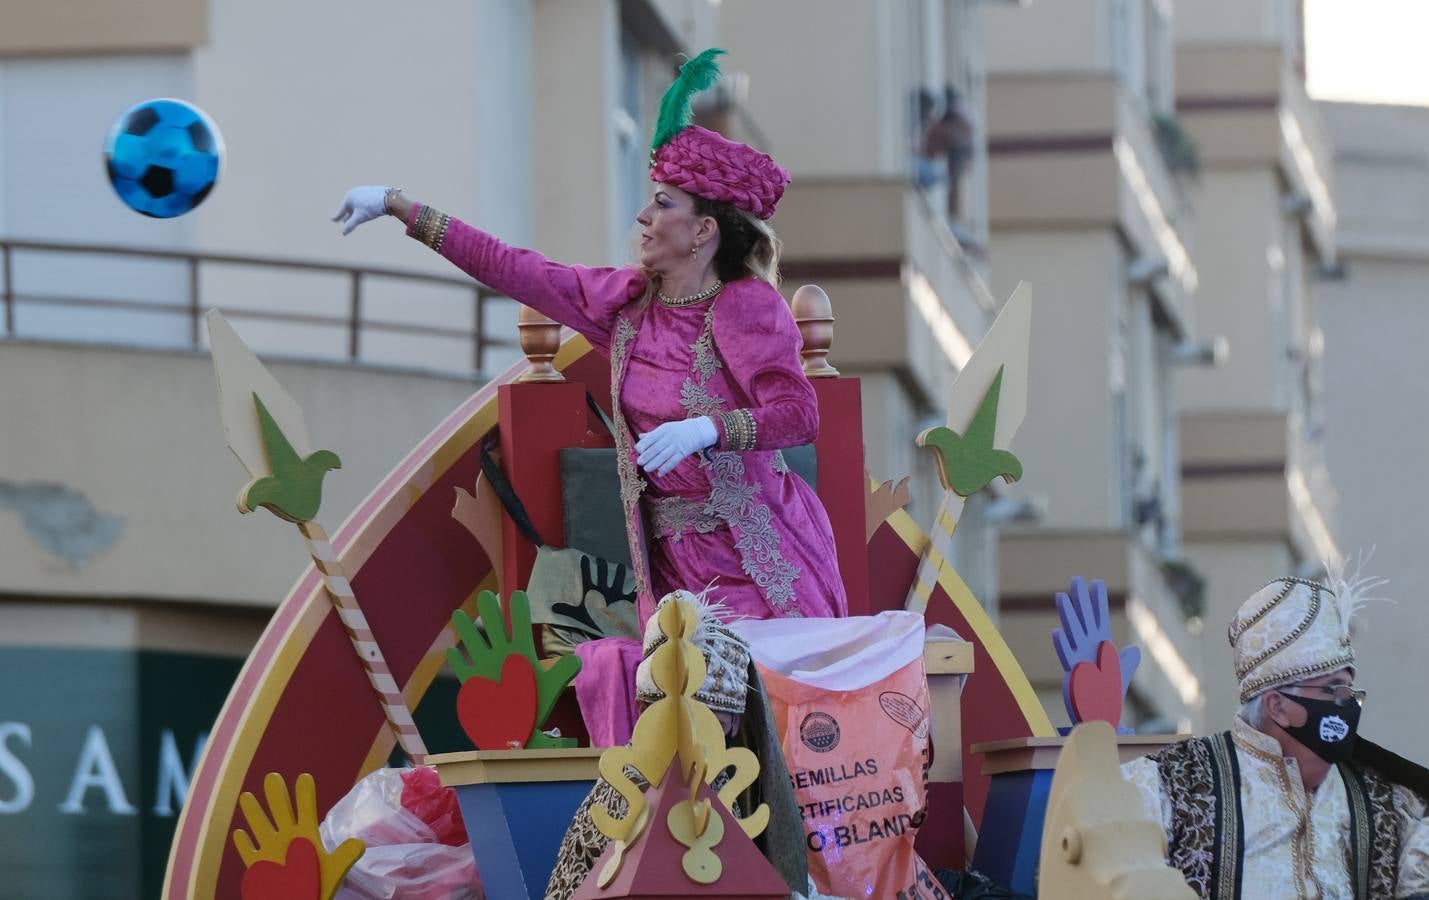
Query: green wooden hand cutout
294	490
967	463
484	657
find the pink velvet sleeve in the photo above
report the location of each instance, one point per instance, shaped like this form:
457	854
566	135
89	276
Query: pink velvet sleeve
758	340
583	298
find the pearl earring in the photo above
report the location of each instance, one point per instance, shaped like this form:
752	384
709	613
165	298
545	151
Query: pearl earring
694	249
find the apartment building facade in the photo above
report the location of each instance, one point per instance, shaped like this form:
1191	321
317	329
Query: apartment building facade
1259	501
1089	203
1375	326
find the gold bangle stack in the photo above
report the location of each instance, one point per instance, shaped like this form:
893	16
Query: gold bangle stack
430	227
740	430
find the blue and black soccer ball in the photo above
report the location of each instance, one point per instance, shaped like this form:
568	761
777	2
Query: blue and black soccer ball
164	157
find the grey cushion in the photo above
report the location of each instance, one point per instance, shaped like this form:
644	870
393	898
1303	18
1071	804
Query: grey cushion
590	497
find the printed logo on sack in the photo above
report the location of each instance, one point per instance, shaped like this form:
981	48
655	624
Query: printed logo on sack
819	732
1333	729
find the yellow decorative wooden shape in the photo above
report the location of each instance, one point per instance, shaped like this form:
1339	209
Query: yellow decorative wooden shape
612	865
678	726
1098	843
700	862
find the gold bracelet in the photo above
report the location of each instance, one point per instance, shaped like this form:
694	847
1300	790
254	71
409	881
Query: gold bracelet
430	227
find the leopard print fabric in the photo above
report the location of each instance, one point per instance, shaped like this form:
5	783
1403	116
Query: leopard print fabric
1188	782
583	843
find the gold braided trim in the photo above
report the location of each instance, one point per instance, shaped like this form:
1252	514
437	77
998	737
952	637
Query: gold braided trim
1246	667
1228	814
1359	828
1299	673
740	429
430	227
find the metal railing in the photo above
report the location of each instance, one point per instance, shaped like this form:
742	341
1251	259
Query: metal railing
353	321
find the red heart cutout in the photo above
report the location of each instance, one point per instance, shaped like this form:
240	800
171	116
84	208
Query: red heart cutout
496	713
1096	689
298	877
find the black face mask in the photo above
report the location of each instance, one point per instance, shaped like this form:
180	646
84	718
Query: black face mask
1329	729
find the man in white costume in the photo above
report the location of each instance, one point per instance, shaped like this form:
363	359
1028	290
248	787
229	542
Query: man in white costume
1291	803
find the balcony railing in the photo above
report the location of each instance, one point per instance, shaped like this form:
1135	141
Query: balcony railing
458	315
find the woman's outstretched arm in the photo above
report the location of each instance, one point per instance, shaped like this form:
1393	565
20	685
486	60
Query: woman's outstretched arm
586	299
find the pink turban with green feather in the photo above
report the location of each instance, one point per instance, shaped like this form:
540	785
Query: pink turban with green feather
707	164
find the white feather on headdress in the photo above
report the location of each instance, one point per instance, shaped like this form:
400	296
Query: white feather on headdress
1351	586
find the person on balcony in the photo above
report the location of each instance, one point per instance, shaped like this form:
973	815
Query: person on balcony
707	384
1290	803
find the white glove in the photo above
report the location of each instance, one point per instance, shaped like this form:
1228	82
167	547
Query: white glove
662	449
362	204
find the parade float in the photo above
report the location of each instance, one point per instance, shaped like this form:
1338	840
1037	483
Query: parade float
433	572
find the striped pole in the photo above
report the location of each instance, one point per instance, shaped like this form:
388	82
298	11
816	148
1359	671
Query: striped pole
936	557
339	591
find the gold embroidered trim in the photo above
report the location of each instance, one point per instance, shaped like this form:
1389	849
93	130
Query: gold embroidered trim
706	361
740	430
732	498
1298	673
430	227
780	465
631	484
695	397
698	401
671	517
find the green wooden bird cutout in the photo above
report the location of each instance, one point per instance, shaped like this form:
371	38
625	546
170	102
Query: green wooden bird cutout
294	490
968	462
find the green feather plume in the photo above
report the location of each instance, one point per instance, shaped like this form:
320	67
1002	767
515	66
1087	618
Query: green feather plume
695	76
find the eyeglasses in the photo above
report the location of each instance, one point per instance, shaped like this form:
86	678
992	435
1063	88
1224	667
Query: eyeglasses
1341	694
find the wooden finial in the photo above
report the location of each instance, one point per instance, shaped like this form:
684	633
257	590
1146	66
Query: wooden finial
815	315
540	339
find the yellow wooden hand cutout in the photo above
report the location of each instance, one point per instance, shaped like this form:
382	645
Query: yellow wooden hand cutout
267	839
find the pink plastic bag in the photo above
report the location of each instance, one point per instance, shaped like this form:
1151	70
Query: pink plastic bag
424	796
404	859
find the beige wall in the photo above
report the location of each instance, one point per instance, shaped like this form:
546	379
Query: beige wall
135	436
306	106
1054	36
1240	255
575	191
825	81
1037	564
35	27
1068	443
1376	328
1234	569
1235	21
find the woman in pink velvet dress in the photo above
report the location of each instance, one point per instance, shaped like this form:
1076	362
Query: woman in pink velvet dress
706	379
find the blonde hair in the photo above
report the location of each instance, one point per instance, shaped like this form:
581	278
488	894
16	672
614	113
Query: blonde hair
748	246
